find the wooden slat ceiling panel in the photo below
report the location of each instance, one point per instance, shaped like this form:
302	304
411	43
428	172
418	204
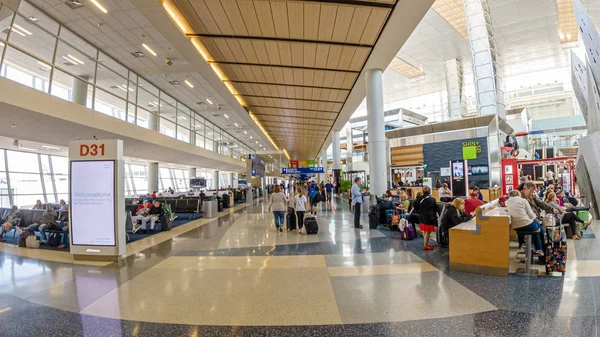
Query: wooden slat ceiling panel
289	76
296	54
293	62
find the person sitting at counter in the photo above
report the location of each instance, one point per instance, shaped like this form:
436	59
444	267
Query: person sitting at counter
524	220
428	219
479	194
445	193
472	203
455	215
536	204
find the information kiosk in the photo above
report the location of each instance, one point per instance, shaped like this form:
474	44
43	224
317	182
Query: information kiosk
96	198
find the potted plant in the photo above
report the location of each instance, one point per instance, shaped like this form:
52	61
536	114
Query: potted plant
345	186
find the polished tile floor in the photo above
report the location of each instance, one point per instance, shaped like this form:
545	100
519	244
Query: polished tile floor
237	276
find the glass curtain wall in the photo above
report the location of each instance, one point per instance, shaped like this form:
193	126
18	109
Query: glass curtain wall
38	52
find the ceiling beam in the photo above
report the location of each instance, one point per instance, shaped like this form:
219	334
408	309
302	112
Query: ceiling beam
277	115
295	99
287	85
282	66
284	108
241	37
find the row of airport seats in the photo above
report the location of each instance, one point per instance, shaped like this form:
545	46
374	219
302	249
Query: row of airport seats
30	216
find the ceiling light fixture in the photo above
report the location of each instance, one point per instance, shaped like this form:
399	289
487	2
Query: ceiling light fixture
33	19
50	147
201	49
22	29
27	148
177	17
17	31
189	84
287	154
76	59
218	71
210	102
149	49
39	62
1	44
70	60
250	137
226	116
236	124
100	7
245	132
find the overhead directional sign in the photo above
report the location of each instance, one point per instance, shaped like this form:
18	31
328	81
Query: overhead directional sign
302	170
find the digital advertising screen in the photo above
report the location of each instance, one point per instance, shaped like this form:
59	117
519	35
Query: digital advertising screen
92	202
198	183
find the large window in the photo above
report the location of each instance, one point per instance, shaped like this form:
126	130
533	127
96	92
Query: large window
49	57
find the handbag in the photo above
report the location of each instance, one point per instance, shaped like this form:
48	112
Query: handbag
32	242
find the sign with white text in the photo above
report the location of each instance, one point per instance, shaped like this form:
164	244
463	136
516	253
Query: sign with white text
302	170
92	185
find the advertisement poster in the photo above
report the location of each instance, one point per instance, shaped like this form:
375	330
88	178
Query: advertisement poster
311	163
458	171
93	203
294	163
445	171
302	163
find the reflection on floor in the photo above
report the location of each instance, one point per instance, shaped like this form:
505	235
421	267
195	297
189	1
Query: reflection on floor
237	276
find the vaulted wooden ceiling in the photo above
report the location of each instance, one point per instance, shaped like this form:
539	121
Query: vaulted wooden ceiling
292	63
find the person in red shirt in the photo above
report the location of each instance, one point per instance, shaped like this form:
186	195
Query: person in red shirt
153	194
472	203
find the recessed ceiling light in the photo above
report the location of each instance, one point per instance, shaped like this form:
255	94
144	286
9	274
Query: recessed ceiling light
100	7
22	29
27	148
245	132
50	147
17	31
236	124
225	115
209	101
250	137
149	49
189	83
257	142
76	59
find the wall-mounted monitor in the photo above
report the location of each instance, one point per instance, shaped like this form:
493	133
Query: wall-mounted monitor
479	170
198	183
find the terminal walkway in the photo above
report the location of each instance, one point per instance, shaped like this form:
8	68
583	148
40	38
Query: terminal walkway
236	276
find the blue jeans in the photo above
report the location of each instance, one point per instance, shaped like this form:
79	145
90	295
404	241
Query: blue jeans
279	218
65	235
537	239
36	227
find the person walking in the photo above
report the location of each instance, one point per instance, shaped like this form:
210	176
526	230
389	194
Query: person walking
356	197
277	205
428	219
300	207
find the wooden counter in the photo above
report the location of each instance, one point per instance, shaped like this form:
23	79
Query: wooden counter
482	244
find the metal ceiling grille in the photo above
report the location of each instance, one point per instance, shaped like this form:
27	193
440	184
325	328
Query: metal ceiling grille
291	63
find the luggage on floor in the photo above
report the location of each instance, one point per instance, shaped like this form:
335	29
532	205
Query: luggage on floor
290	219
220	205
32	242
584	215
23	237
556	249
573	201
310	225
373	217
226	199
54	239
443	237
165	224
407	230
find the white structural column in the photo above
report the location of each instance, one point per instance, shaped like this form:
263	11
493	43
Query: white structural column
152	177
192	172
215	180
234	183
80	91
376	130
349	147
335	148
153	122
457	103
486	67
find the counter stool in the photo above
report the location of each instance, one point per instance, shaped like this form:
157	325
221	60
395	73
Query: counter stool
527	271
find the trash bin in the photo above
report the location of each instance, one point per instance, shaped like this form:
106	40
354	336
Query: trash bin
210	209
366	202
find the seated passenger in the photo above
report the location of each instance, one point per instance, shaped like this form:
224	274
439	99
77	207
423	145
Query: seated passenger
155	213
404	202
47	218
13	220
472	203
63	205
65	243
455	214
536	204
524	219
479	194
445	193
153	194
38	205
140	213
568	216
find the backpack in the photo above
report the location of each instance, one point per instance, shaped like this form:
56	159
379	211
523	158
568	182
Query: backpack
313	192
166	211
23	237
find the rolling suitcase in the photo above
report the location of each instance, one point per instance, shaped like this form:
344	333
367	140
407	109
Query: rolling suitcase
311	225
226	199
373	217
556	250
290	219
165	224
